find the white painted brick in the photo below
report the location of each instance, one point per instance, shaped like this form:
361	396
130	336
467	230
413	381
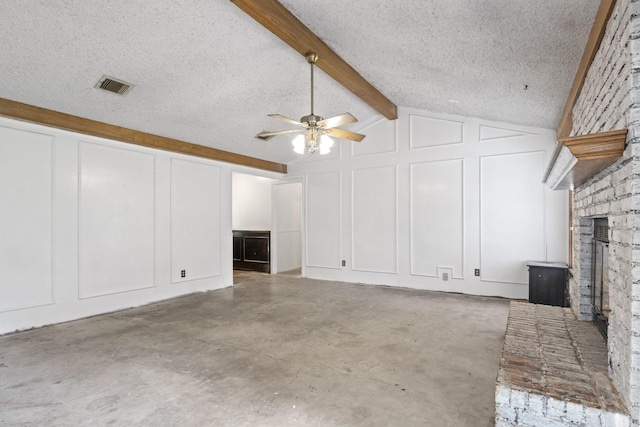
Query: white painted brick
518	399
534	420
506	413
504	422
503	395
611	419
592	417
610	99
555	409
574	413
537	404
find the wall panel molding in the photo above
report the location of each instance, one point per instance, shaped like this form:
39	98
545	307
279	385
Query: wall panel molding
511	233
491	133
26	224
382	137
195	234
323	220
374	230
427	132
116	220
437	212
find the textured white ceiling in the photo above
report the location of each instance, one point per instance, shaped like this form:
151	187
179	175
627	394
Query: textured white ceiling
207	73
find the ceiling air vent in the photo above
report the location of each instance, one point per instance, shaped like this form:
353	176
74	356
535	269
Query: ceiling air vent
114	85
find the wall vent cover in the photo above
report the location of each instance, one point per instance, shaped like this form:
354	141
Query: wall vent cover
111	84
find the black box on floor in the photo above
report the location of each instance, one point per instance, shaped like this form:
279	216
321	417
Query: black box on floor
548	283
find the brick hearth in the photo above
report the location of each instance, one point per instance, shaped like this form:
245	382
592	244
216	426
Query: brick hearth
554	372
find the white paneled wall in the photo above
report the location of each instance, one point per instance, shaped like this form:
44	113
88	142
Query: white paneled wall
381	138
374	230
251	202
430	194
195	220
431	132
115	220
288	217
89	225
323	217
515	231
437	215
25	219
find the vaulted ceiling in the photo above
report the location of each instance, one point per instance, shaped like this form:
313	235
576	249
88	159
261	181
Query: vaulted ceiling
207	73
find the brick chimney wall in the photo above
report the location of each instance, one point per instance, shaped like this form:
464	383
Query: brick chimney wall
610	100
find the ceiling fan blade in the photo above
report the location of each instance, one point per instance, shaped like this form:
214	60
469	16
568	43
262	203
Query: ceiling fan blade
286	119
266	135
345	134
335	121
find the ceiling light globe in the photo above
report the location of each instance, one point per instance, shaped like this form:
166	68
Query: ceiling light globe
298	144
325	144
327	141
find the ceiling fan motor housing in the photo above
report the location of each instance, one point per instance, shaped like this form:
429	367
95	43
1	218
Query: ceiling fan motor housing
310	120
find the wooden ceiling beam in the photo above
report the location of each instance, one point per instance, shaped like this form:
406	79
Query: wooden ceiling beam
42	116
565	126
277	19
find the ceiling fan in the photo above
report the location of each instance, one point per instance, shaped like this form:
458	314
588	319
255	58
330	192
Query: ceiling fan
315	130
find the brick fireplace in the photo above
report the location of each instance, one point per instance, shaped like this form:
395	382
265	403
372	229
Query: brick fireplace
609	101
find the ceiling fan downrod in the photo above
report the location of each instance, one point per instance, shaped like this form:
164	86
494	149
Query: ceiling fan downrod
312	58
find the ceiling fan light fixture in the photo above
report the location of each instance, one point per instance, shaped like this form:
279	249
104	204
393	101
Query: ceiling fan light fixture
311	139
315	128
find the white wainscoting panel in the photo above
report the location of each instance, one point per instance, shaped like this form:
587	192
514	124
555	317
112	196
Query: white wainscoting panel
324	212
195	220
437	217
288	206
288	198
289	250
489	133
25	219
380	138
116	220
512	215
432	132
374	227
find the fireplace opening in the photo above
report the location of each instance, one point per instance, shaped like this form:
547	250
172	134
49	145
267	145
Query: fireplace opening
600	285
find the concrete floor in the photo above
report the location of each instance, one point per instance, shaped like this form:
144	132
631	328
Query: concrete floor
271	351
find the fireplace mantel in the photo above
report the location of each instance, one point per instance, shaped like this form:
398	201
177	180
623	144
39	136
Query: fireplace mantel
578	158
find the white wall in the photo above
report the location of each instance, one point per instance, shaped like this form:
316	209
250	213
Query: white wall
89	225
251	200
430	194
287	237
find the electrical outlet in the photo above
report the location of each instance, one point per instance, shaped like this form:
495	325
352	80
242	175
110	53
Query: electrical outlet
344	263
445	276
476	272
183	273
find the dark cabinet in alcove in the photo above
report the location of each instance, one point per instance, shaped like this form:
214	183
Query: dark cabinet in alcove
548	283
251	250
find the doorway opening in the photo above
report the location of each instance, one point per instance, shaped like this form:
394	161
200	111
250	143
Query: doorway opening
266	218
251	222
